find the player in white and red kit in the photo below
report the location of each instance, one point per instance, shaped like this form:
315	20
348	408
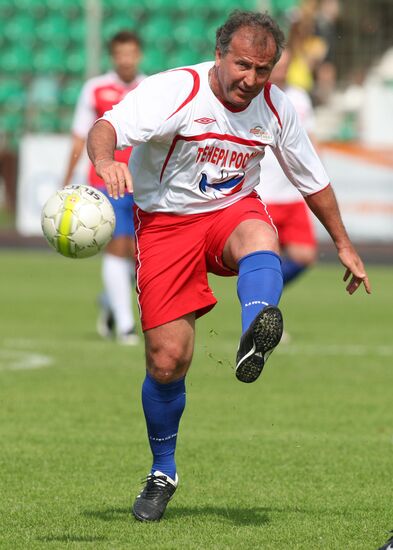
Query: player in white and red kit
98	95
200	134
285	204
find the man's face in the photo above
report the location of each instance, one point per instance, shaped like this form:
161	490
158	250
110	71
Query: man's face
244	70
125	58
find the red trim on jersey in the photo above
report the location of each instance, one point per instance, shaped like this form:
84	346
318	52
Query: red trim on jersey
319	191
209	135
193	93
268	99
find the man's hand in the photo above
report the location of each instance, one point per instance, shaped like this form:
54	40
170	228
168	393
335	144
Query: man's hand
351	260
116	176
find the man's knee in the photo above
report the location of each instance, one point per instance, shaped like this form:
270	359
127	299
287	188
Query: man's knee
167	362
305	255
249	236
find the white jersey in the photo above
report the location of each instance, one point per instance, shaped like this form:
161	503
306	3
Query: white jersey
274	187
99	94
194	154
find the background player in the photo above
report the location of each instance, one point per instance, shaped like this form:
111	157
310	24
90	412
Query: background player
285	204
97	96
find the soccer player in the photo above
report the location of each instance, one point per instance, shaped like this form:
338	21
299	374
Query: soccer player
97	96
199	134
285	204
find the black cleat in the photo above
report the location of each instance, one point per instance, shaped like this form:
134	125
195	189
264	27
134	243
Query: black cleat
388	545
257	343
151	503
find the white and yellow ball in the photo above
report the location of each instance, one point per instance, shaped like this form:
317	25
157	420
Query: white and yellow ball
78	221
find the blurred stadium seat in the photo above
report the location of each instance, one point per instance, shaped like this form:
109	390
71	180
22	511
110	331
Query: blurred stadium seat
17	59
70	92
114	24
49	59
54	29
19	28
12	92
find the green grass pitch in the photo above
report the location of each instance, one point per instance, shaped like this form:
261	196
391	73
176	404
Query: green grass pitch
301	459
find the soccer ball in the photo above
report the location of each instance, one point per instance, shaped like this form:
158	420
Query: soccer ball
78	221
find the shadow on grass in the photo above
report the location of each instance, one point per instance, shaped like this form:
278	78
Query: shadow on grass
237	516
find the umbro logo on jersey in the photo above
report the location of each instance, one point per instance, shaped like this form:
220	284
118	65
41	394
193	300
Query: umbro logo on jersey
205	120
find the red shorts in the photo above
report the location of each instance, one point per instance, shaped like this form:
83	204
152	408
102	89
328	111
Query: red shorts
175	253
293	222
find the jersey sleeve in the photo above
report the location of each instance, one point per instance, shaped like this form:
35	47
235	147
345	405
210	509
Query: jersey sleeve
296	154
146	112
300	99
85	115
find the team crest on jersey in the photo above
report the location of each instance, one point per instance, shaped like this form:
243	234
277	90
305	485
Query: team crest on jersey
259	132
227	184
110	95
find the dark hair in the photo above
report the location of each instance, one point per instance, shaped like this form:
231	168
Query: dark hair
122	37
238	19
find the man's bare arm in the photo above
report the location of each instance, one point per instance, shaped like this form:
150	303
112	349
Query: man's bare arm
101	145
325	207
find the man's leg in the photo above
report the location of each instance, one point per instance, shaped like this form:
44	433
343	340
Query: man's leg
298	257
169	350
252	249
117	270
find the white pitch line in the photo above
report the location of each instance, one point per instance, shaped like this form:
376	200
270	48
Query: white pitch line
11	359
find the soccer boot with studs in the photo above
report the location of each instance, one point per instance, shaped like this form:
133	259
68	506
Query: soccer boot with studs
257	343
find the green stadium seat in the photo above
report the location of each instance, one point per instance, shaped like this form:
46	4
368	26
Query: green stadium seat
160	31
121	6
71	9
64	120
7	9
112	10
54	29
16	59
191	32
154	61
11	121
45	120
49	60
280	6
115	24
12	92
77	31
36	9
20	27
70	92
184	57
76	61
165	7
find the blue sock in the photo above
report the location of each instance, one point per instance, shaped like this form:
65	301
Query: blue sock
259	283
291	269
163	405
